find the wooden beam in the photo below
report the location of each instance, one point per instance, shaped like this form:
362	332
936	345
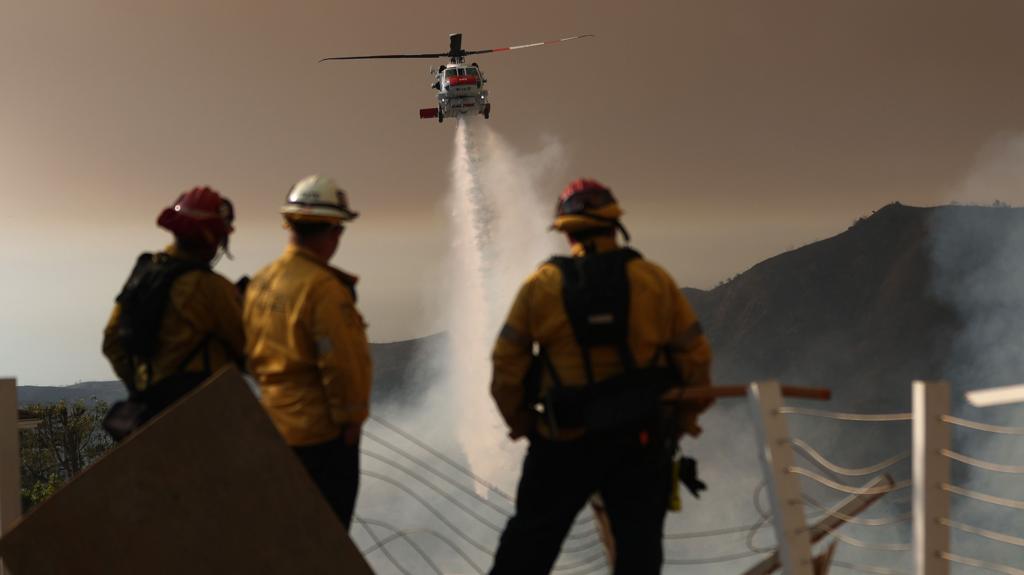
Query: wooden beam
996	396
930	472
776	454
686	393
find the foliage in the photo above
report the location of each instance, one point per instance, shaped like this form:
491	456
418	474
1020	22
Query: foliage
68	438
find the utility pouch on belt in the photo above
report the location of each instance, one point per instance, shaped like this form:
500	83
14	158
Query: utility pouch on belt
628	400
596	296
124	417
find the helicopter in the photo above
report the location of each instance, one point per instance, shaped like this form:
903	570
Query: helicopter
460	86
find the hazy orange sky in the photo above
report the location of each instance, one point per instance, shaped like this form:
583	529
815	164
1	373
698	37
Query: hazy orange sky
731	131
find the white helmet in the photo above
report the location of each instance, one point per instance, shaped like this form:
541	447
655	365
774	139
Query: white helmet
317	198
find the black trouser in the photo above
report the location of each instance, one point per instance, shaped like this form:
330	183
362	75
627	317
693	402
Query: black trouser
559	477
334	467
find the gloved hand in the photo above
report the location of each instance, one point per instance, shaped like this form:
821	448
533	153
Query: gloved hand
523	425
688	476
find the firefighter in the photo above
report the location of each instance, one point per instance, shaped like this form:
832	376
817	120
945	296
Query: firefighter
175	321
307	344
590	346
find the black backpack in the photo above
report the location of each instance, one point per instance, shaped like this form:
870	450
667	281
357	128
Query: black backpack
144	300
596	297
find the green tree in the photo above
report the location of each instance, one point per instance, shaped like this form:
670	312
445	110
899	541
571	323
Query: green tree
67	439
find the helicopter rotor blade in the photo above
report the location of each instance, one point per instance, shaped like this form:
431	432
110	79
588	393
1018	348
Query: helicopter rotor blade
387	56
535	44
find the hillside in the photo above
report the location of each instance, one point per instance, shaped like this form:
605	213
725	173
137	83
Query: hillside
861	312
390	364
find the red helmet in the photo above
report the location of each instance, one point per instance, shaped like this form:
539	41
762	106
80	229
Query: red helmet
585	205
200	214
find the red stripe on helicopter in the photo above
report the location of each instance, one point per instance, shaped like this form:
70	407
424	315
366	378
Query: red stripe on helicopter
502	49
462	80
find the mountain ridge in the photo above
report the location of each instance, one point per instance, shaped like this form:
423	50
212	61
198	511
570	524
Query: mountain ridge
857	312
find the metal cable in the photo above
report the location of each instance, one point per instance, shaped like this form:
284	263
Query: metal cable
993	535
413	439
719	559
764	513
479	546
846	488
842	537
458	550
725	530
979	563
753	533
846	416
711	533
458	485
872	522
468	510
982	426
866	568
1014	469
385	551
821	460
479	480
977	495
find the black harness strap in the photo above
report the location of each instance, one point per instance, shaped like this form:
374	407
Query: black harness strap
595	292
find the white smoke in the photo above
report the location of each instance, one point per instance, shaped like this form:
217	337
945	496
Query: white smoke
979	273
998	173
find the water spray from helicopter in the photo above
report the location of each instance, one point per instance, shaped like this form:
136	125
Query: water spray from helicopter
499	234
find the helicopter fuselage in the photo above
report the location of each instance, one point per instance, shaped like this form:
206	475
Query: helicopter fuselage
460	92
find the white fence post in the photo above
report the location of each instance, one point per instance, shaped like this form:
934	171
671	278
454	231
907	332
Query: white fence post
10	458
931	472
791	531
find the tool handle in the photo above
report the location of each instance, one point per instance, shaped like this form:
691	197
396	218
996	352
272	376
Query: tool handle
741	391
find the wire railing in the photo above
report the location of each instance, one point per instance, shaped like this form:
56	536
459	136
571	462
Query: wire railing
463	492
858	568
815	456
977	426
983	497
382	546
998	568
986	465
838	520
406	534
835	485
838	416
975	463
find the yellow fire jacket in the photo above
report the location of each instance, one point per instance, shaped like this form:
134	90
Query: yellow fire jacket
659	316
307	346
202	304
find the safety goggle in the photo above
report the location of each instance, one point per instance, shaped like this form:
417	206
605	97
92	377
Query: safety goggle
584	201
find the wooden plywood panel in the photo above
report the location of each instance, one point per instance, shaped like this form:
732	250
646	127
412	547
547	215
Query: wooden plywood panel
10	459
206	487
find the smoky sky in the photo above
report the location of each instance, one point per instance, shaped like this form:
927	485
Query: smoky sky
731	131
